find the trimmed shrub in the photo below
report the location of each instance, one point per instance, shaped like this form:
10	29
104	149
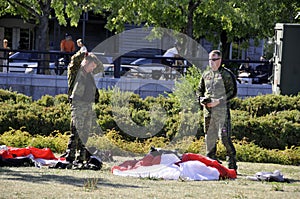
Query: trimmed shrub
269	121
15	138
277	130
7	95
20	138
265	104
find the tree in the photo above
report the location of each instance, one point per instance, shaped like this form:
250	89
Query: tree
40	11
216	20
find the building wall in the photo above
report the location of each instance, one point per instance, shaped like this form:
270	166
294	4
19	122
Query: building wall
17	32
38	85
91	31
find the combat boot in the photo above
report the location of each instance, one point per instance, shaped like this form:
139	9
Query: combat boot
232	163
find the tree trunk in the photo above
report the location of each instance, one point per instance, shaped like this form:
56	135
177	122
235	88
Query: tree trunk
42	44
225	45
190	26
43	34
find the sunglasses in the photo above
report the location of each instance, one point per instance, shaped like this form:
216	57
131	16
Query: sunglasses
215	59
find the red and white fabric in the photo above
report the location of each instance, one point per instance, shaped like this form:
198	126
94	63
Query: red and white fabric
170	167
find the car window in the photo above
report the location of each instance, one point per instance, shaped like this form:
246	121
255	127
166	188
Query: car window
140	61
23	57
151	67
105	59
125	69
19	57
33	56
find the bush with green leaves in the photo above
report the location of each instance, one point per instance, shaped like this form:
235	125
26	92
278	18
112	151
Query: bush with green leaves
269	121
246	151
8	95
20	138
262	105
112	141
41	117
275	130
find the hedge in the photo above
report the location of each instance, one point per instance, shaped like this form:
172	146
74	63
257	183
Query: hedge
270	121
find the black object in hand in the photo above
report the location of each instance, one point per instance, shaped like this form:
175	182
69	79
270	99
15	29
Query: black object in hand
204	100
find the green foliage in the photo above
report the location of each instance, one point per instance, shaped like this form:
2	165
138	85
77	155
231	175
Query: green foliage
246	151
273	132
20	138
135	118
188	121
214	19
186	88
113	141
265	104
197	146
14	97
129	122
57	143
249	152
46	101
40	117
15	138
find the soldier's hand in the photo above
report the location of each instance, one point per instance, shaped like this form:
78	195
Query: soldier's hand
213	103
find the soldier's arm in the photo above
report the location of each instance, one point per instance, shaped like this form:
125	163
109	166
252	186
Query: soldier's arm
76	60
79	88
230	87
201	89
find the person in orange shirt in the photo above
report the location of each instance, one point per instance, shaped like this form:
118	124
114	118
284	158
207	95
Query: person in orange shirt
67	45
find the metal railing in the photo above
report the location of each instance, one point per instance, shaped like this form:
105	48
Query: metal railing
39	62
56	62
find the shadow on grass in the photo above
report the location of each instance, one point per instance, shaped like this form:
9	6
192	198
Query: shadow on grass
42	178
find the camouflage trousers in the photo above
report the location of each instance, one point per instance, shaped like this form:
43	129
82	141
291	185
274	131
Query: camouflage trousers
82	118
217	125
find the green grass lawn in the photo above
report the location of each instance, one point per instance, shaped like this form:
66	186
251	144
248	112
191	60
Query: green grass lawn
31	182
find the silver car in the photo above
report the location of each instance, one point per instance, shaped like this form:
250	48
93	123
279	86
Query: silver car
27	62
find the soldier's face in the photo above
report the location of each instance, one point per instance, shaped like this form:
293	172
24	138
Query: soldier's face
90	66
214	61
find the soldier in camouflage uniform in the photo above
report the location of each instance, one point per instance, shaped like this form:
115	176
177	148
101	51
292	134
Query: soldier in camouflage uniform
217	86
82	92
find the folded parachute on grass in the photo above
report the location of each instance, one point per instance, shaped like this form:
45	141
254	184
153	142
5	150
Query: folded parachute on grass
12	156
170	167
31	156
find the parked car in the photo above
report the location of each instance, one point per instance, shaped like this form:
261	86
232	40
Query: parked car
260	74
143	61
104	59
157	70
126	71
145	68
27	62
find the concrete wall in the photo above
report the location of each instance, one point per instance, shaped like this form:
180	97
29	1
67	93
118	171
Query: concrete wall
34	85
38	85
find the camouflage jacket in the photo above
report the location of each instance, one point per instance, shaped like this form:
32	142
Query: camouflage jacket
220	84
74	67
84	87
